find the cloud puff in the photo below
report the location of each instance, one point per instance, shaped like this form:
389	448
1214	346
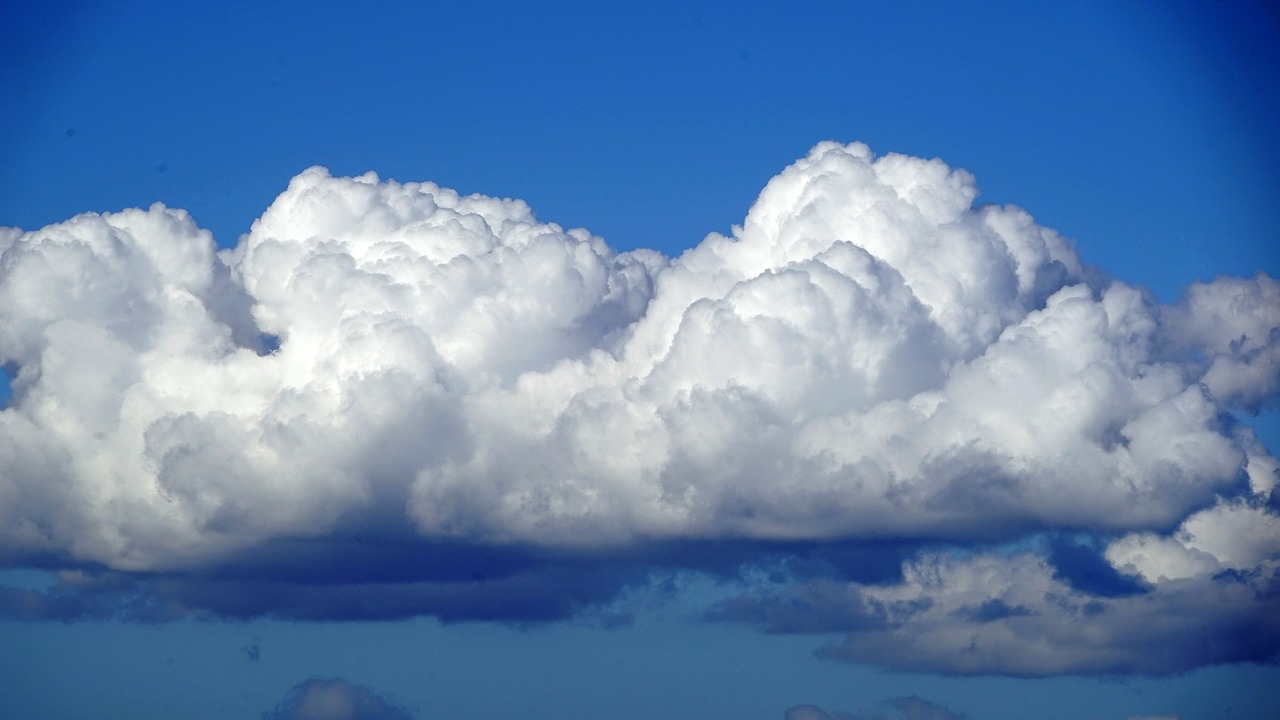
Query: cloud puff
916	708
870	357
334	699
901	708
805	712
1208	594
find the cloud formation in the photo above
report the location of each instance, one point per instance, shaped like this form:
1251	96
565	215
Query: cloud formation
900	708
869	358
995	614
806	712
334	699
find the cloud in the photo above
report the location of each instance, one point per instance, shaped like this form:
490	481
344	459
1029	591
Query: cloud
900	708
1002	613
1233	321
327	584
916	708
870	358
334	699
805	712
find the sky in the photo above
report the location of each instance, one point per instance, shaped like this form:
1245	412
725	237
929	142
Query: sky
679	360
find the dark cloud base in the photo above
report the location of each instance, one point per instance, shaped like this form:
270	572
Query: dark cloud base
335	579
822	589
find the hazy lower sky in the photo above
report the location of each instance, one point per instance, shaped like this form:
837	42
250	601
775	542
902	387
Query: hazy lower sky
696	361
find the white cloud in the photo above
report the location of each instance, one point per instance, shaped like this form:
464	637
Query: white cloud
868	356
900	708
806	712
334	699
994	614
1232	535
1233	324
1210	597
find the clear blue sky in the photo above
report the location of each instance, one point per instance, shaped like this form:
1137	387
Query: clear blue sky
1144	134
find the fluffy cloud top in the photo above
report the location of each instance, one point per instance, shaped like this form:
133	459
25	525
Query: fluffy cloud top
902	708
806	712
870	356
334	699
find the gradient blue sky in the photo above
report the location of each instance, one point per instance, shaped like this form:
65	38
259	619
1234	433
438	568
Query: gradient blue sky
1144	133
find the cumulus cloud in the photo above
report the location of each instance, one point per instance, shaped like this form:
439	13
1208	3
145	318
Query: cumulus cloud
1208	594
916	708
869	357
1232	324
901	708
334	699
805	712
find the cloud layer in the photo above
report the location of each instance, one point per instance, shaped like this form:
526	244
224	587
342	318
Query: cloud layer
870	357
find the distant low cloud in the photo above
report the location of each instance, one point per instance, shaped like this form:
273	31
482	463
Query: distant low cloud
384	377
805	712
991	614
916	708
901	708
334	699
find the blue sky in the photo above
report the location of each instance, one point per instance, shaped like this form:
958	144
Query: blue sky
1143	136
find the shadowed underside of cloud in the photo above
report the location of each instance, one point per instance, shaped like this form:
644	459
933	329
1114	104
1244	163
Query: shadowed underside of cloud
350	579
539	593
389	399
